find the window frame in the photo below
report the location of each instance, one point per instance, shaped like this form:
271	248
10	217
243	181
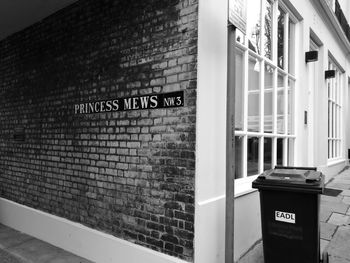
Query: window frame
243	184
335	147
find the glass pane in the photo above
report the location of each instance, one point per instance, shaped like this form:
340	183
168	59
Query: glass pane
280	37
335	148
268	89
290	106
253	94
253	25
337	92
239	156
329	89
253	156
329	119
267	153
332	112
335	120
329	149
291	48
290	160
267	39
335	85
239	91
279	160
280	104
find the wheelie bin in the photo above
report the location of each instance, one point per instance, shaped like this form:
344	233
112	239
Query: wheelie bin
290	206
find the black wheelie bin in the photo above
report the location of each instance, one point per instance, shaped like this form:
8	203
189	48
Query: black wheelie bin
290	205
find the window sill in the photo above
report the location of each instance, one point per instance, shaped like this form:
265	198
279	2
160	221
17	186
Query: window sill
243	186
332	162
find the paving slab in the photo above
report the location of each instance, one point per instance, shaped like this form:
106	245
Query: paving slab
334	199
327	230
325	214
10	237
37	251
335	259
341	180
255	255
346	200
339	247
6	257
340	207
343	176
345	192
66	257
338	219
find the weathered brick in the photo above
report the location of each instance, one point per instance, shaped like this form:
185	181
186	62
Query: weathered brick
127	173
157	82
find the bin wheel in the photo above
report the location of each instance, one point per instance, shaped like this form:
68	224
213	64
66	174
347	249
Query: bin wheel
325	257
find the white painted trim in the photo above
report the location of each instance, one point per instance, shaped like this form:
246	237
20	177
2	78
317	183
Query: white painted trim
209	239
335	162
76	238
211	200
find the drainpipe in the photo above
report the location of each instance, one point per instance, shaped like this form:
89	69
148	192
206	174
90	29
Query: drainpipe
230	146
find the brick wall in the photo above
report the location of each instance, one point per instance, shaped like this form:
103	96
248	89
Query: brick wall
129	173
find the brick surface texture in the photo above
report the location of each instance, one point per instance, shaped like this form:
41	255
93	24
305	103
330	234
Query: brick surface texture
130	173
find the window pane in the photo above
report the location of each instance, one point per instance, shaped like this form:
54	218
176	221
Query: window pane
329	149
267	153
239	90
253	156
334	114
280	104
291	41
290	152
334	121
253	94
279	160
280	37
239	156
329	119
267	39
335	148
290	105
253	25
268	88
332	118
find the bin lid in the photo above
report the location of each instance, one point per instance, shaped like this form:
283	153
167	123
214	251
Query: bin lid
291	179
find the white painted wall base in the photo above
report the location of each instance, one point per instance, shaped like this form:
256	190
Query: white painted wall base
210	229
332	170
76	238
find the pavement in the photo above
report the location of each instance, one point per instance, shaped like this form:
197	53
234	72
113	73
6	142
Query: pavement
335	219
17	247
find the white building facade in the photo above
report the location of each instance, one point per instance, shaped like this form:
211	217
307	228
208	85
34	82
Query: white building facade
288	111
